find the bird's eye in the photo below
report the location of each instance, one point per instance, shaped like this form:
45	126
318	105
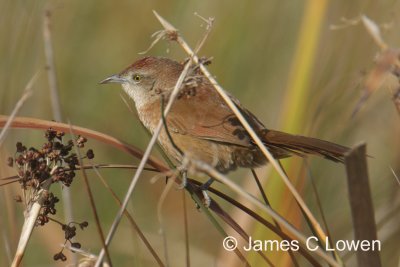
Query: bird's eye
137	78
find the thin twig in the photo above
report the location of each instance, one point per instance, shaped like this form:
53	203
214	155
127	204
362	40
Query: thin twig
396	99
374	31
169	28
9	182
114	166
33	211
123	97
79	251
209	23
55	102
395	175
321	211
158	35
160	204
264	196
129	216
91	199
50	66
186	228
26	94
10	177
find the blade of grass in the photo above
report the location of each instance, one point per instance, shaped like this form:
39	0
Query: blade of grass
160	217
50	66
264	196
129	216
362	209
321	211
186	229
396	100
26	94
395	176
91	198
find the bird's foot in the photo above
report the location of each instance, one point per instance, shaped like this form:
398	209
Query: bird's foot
204	188
184	181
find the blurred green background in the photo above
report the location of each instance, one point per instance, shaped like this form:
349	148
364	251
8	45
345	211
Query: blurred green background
256	54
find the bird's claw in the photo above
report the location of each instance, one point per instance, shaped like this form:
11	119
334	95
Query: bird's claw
206	198
183	183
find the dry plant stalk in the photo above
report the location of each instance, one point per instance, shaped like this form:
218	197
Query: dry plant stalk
55	99
387	62
127	214
31	213
50	66
27	93
34	209
396	100
362	208
33	123
160	217
91	199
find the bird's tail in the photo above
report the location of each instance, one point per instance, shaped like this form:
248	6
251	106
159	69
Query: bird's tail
289	144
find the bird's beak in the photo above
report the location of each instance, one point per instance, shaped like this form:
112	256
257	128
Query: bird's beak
114	79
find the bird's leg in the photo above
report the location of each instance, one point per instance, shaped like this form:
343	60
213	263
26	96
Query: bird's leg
184	180
204	188
206	185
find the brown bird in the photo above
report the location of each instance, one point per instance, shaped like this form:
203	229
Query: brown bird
200	124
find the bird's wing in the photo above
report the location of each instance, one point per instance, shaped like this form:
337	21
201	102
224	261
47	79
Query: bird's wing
213	121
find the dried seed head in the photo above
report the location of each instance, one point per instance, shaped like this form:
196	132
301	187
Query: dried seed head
81	141
37	166
60	256
83	225
90	154
50	134
20	147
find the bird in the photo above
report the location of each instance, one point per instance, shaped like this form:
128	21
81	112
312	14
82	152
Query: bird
201	126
